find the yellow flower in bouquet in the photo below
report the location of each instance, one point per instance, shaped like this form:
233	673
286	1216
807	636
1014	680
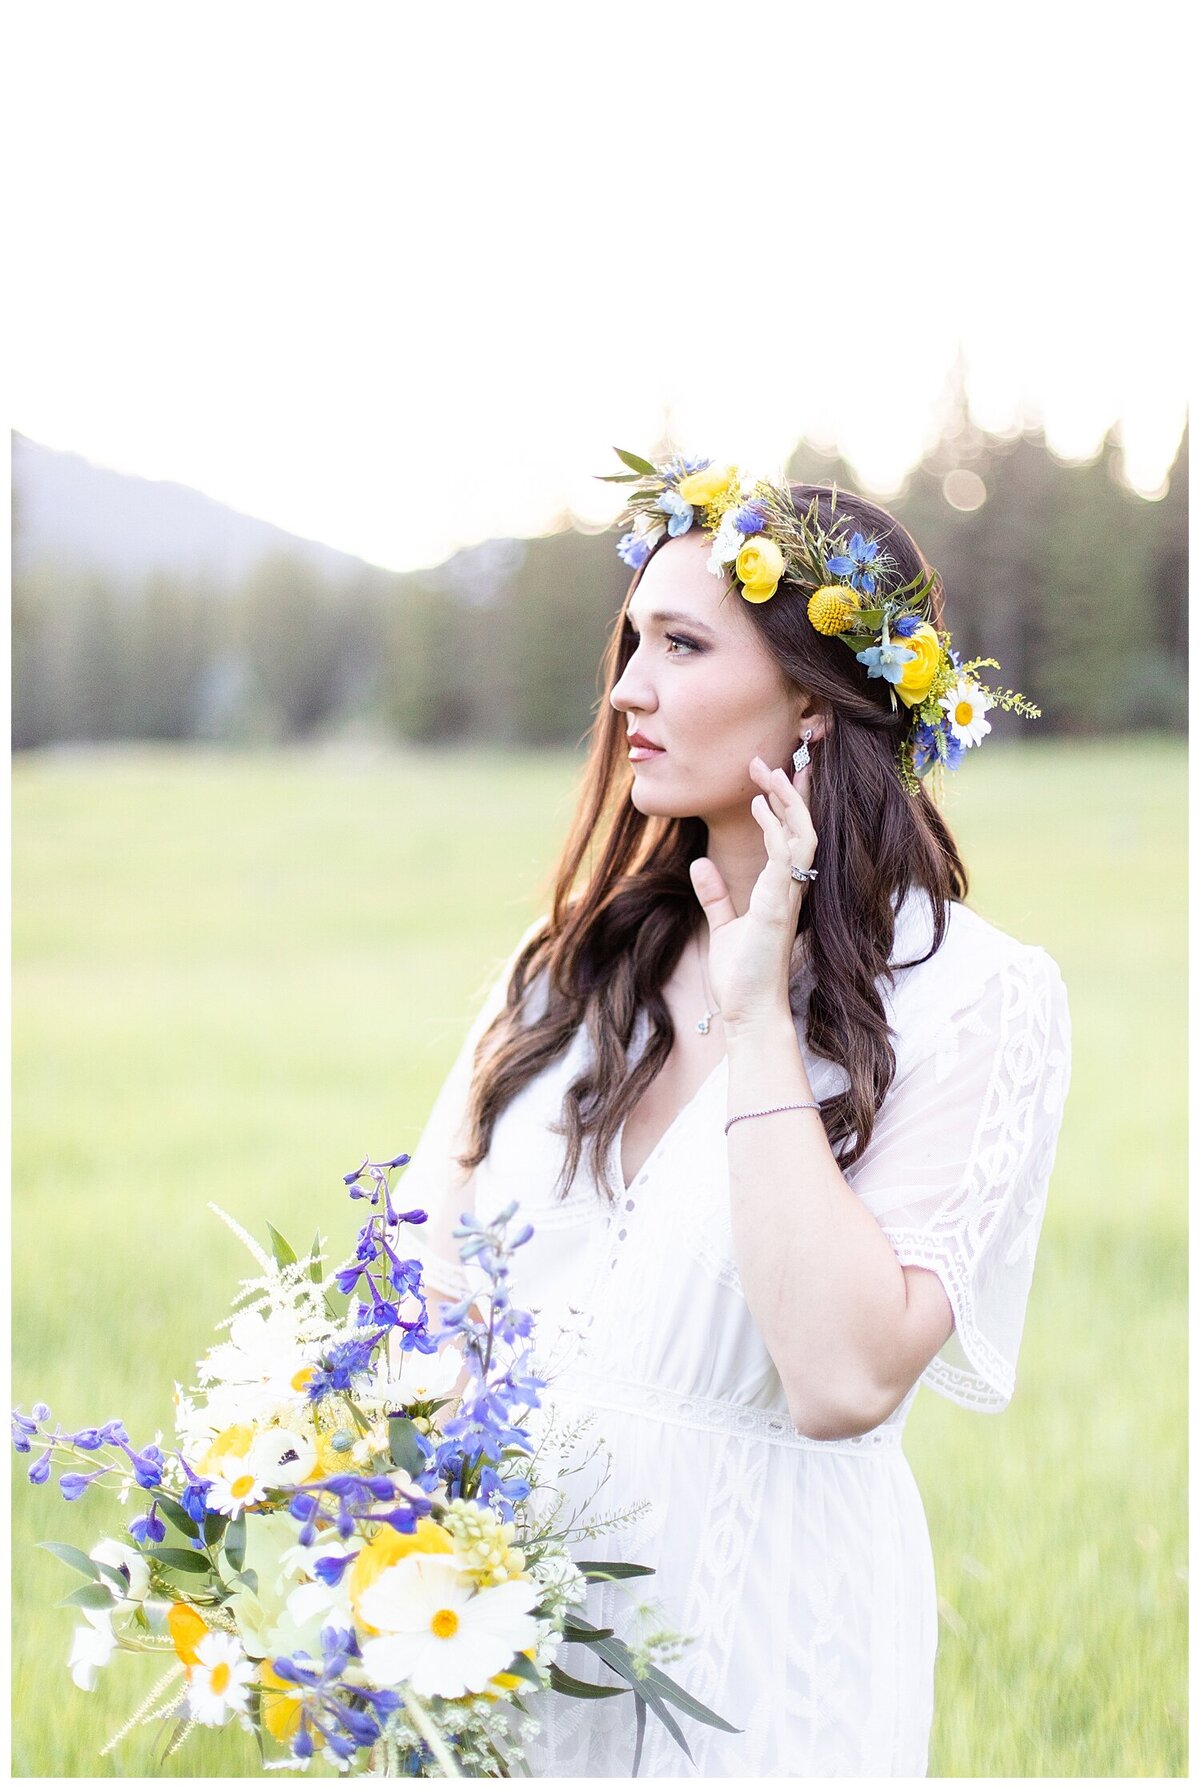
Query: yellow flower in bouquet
702	488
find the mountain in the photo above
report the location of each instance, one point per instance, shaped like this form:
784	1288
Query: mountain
69	511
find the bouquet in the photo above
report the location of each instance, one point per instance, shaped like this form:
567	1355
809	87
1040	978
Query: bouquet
349	1549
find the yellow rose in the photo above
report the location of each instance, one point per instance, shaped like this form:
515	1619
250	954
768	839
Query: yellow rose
759	567
704	487
919	672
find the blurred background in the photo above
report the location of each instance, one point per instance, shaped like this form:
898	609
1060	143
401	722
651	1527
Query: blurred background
324	326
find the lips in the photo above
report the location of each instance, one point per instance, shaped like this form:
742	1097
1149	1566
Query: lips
641	748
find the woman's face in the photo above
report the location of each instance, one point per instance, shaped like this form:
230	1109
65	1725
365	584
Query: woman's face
701	690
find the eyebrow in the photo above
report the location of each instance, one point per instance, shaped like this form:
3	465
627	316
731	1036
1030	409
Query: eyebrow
673	618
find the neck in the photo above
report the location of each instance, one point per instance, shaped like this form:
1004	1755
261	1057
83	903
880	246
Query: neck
735	845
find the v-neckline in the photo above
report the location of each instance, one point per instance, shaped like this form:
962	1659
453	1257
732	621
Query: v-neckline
628	1185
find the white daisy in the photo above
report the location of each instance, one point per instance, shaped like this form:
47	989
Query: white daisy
217	1683
234	1486
438	1632
966	705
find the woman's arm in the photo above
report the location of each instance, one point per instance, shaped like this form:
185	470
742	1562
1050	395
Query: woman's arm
850	1330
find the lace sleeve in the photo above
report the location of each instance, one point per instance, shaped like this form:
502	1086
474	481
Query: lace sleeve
433	1180
959	1164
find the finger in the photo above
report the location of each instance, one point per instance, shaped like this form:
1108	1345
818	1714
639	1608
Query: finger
787	799
712	893
775	833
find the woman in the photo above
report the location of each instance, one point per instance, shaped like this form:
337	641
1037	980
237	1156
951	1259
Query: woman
782	1111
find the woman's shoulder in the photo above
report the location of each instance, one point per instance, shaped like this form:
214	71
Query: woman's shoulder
974	959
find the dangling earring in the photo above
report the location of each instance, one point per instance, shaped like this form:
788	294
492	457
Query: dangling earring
803	756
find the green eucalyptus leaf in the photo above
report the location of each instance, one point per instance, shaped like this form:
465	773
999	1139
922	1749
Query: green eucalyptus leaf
235	1543
214	1527
88	1596
117	1579
636	463
574	1686
314	1265
179	1559
407	1451
177	1516
594	1569
72	1556
523	1667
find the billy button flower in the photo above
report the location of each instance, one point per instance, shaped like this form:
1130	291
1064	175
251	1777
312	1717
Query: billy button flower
831	608
919	673
759	567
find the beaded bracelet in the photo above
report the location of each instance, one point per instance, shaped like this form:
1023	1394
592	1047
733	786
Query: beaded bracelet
805	1106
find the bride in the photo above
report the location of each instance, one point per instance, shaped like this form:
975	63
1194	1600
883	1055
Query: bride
782	1110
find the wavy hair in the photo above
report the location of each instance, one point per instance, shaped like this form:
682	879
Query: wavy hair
623	906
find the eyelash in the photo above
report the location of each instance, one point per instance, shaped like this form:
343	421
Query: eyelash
690	646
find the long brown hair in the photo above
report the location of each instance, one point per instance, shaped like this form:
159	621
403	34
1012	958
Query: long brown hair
624	908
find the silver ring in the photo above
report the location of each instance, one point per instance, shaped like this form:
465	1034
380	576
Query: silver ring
799	875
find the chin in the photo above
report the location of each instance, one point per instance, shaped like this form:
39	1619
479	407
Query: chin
667	803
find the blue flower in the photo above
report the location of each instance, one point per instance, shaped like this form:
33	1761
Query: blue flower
149	1529
74	1484
39	1472
886	661
194	1498
682	514
751	518
933	745
905	627
634	549
853	565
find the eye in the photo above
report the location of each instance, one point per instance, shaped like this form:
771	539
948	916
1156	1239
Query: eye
678	645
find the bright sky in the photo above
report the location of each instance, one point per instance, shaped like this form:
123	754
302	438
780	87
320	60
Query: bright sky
397	277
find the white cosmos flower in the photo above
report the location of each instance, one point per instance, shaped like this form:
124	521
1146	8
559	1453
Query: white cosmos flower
410	1377
91	1648
217	1683
282	1457
262	1350
966	705
438	1632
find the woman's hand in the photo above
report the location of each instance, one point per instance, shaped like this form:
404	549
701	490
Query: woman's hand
749	956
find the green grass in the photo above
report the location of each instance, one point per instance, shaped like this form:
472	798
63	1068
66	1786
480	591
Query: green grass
234	976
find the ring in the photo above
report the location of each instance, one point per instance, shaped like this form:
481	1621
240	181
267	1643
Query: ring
799	875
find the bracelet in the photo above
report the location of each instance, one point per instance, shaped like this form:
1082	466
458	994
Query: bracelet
805	1106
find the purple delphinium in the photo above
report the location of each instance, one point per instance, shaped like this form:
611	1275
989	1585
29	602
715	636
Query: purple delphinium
347	1716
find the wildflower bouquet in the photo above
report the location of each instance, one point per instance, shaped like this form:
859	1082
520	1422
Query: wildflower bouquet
341	1551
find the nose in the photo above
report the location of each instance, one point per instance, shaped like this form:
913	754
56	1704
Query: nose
632	693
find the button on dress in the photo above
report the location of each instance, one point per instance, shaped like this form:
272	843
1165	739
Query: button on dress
800	1569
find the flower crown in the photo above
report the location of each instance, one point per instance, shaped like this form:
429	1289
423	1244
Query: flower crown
758	538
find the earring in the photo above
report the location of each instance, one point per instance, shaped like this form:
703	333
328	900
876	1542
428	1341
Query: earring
803	756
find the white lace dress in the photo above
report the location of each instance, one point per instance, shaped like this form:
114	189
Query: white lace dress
802	1569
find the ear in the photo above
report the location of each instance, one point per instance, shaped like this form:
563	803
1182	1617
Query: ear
812	717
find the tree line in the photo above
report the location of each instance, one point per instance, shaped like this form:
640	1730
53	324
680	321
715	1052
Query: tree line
1077	585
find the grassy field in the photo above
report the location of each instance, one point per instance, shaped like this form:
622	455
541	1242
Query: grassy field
235	976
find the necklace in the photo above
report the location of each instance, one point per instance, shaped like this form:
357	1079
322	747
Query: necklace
714	1012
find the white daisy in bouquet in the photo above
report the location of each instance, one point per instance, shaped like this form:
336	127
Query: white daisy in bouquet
344	1552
